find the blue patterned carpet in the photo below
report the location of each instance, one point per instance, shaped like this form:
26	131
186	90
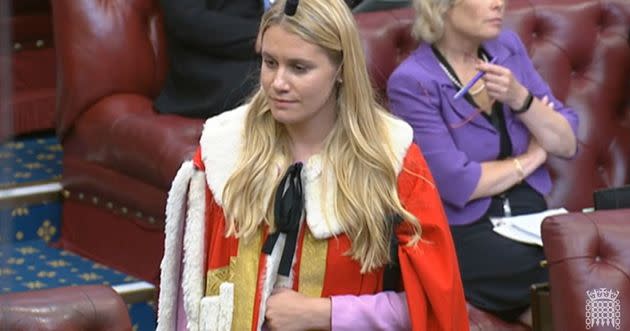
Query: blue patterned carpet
25	222
30	160
33	265
27	262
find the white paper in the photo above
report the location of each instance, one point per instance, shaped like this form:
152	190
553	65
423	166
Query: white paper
524	228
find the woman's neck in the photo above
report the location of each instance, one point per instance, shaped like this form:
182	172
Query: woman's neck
458	50
307	141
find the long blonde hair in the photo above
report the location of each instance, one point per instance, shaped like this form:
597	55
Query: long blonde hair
357	152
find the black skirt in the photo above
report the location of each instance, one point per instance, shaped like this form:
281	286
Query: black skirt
497	272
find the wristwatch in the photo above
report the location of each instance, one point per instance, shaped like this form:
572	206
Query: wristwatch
526	105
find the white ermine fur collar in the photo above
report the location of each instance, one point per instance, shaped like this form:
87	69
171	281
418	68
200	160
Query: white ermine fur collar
220	145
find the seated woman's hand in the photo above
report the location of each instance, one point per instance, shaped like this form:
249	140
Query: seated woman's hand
502	85
547	102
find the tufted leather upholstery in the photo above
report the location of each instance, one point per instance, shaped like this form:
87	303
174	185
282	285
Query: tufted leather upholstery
31	104
74	308
120	156
387	42
599	259
581	49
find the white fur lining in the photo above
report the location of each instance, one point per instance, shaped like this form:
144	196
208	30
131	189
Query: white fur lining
226	313
171	262
217	311
194	250
271	274
220	145
222	138
401	135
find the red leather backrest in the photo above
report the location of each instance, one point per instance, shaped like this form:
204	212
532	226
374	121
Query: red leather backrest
30	23
73	308
25	7
581	49
587	252
106	47
387	41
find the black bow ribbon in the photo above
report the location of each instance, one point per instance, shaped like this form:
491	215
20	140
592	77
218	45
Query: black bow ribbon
288	208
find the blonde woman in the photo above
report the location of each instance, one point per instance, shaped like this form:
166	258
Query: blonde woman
487	148
309	207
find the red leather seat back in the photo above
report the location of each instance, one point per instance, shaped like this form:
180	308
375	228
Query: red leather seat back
31	23
119	47
387	41
581	49
31	60
586	253
73	308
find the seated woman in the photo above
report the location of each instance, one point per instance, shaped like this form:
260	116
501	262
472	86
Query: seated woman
291	217
486	149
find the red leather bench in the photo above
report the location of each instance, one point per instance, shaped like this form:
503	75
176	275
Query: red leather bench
589	277
31	105
72	308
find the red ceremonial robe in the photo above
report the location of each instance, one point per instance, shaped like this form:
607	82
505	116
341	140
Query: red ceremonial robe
226	281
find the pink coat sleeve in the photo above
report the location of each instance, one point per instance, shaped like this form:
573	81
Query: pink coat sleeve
381	311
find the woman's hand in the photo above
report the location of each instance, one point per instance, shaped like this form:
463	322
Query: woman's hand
290	310
536	152
547	102
502	86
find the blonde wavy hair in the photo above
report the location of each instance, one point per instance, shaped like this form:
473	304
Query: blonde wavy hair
429	23
357	151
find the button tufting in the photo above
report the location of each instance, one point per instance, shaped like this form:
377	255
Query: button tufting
601	169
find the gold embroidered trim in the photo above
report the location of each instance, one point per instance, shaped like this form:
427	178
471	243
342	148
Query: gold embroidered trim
245	278
312	265
214	279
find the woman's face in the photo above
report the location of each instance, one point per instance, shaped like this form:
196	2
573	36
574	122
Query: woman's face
476	19
298	78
